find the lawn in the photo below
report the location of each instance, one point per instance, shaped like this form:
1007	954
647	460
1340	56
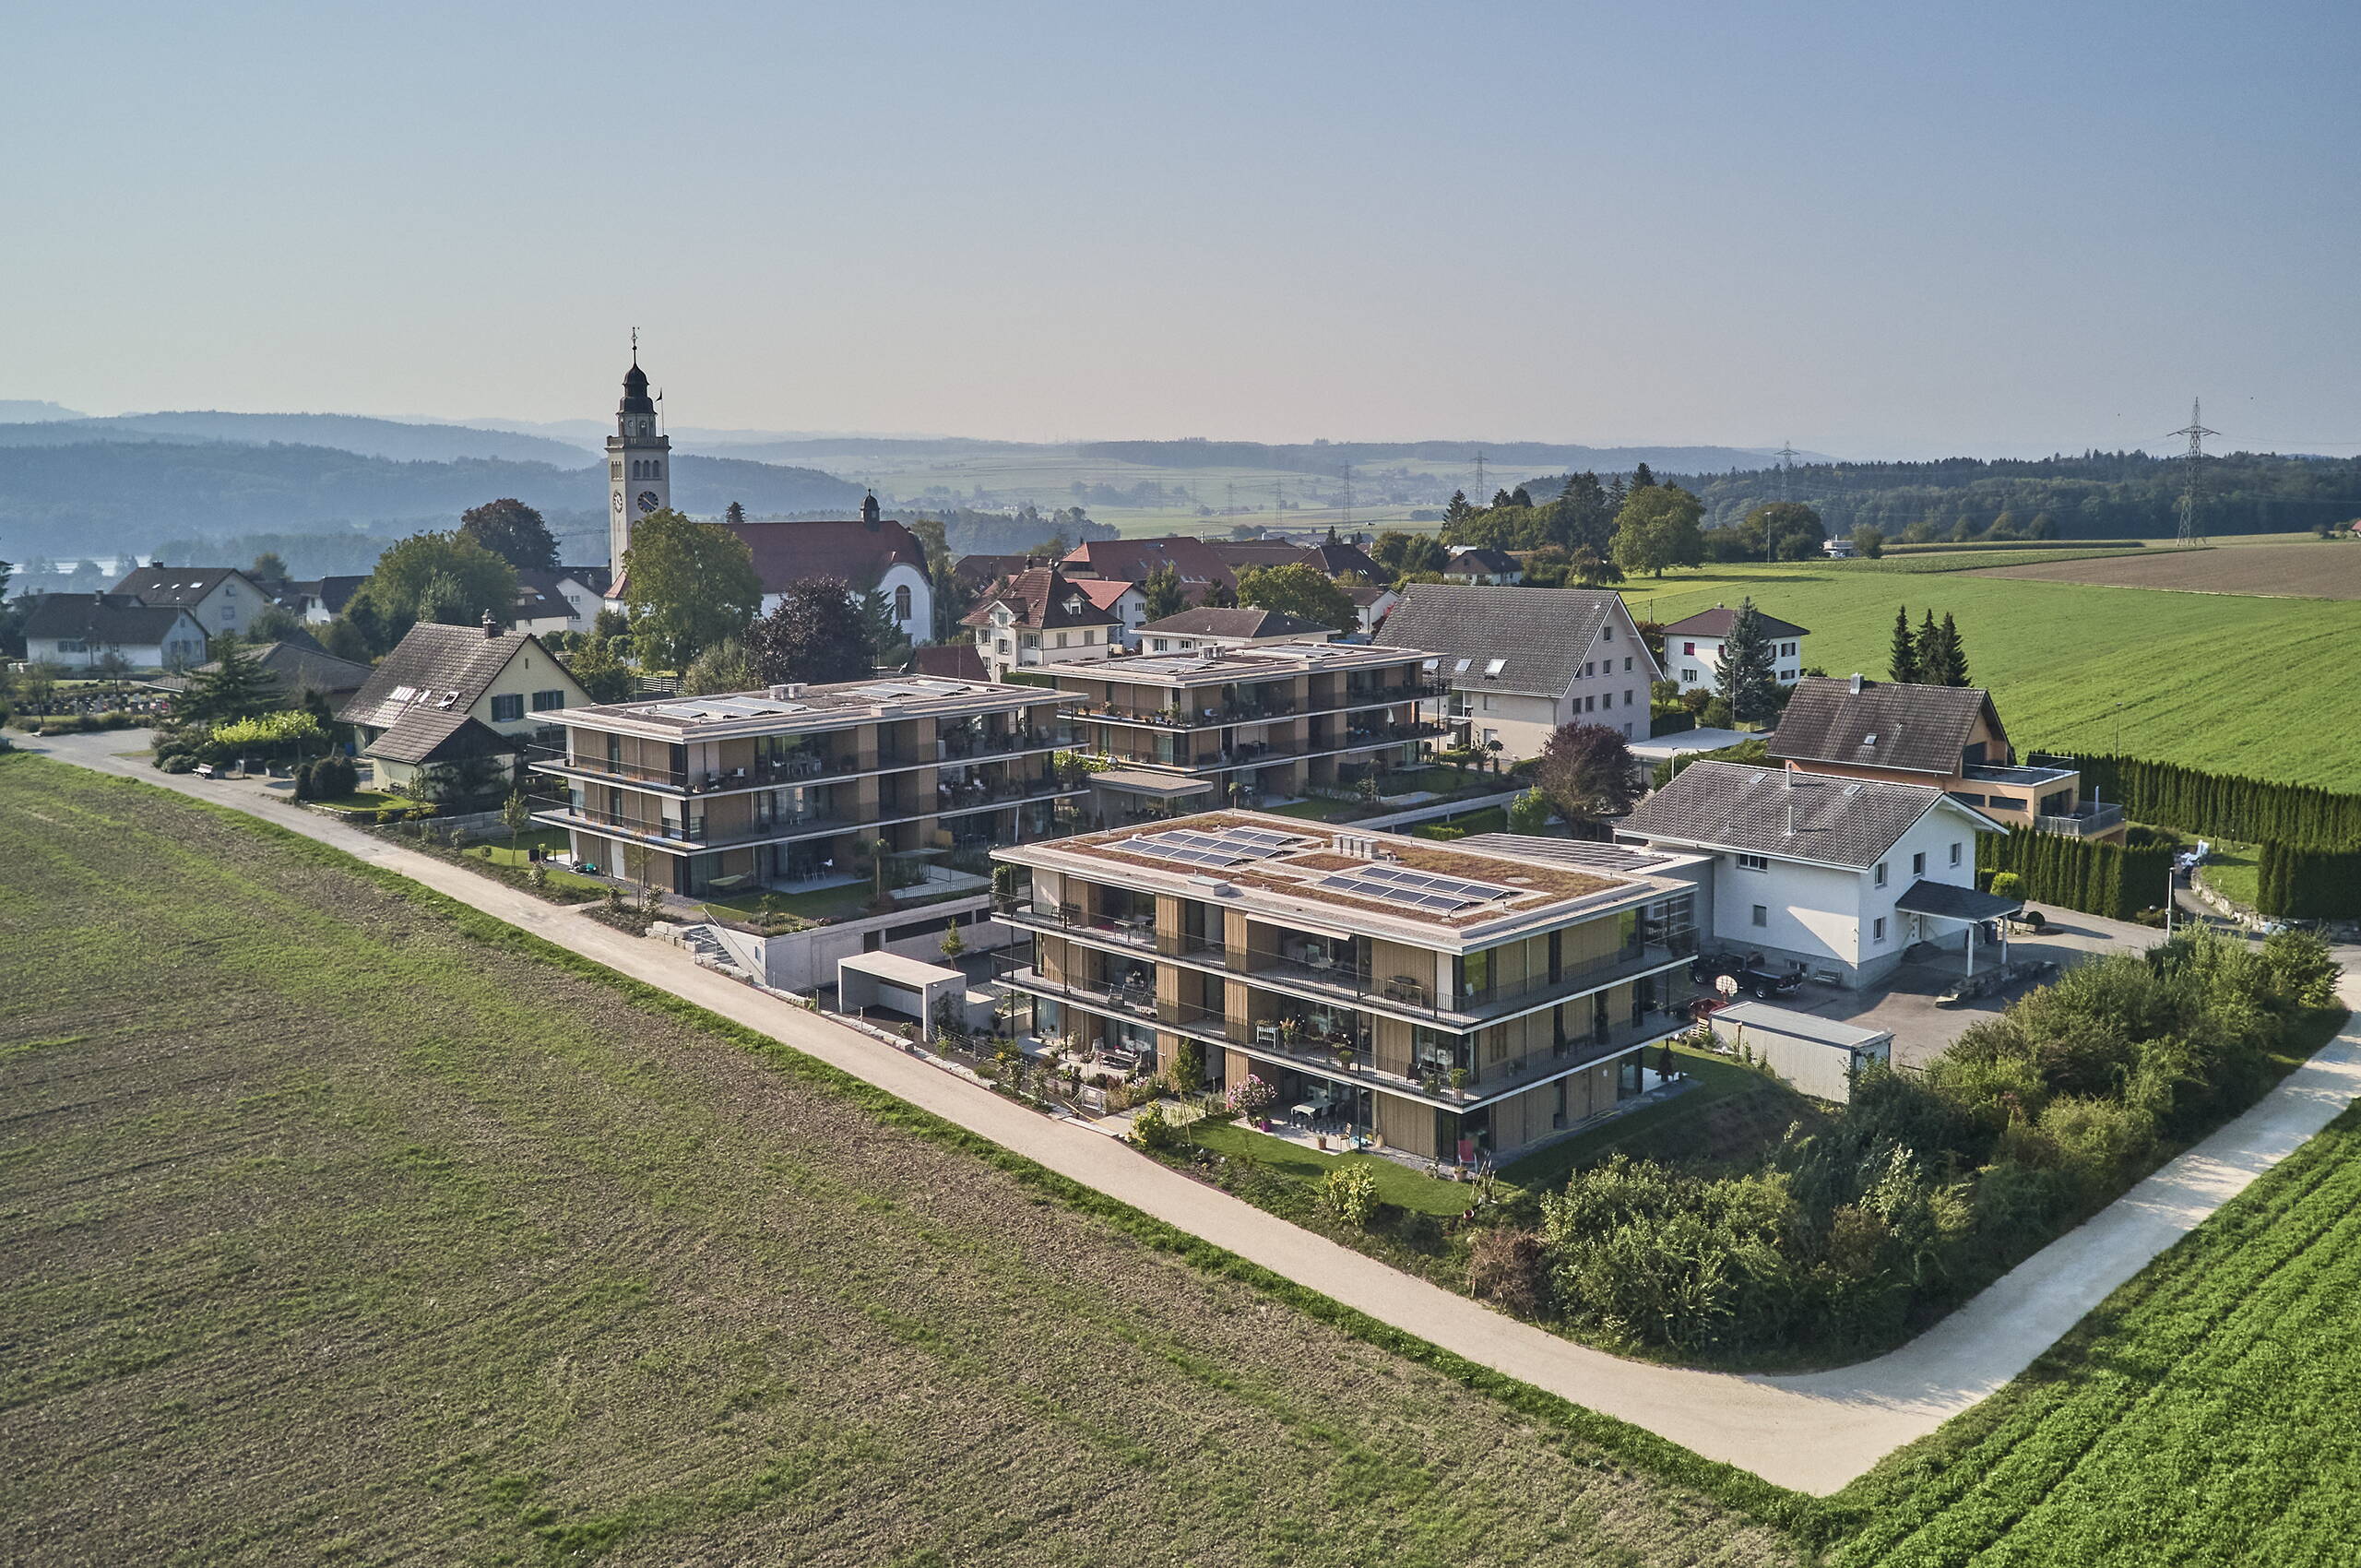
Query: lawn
367	801
520	857
1397	1183
826	904
2202	1416
2230	870
2209	681
1729	1118
337	1224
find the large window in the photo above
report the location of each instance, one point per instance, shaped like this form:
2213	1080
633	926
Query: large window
544	701
507	707
902	604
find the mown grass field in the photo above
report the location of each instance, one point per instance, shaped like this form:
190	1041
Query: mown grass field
2203	1415
2233	684
339	1224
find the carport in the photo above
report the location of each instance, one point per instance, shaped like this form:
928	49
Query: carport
1959	905
908	986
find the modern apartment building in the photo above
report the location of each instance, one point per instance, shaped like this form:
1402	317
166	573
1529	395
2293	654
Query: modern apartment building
1245	725
1452	1001
786	787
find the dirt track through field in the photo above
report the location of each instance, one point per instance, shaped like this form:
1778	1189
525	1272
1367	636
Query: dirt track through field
1814	1432
2311	570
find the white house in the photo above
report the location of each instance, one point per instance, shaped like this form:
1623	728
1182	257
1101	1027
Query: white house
84	631
1521	661
1692	648
1126	602
1838	549
1484	564
873	552
1208	630
1841	875
1041	618
221	599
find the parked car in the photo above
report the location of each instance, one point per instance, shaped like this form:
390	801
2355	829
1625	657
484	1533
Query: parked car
1754	977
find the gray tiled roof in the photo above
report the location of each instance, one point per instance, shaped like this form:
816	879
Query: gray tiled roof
114	620
1243	622
1043	597
1913	729
183	586
1716	623
446	669
1541	633
422	736
1727	805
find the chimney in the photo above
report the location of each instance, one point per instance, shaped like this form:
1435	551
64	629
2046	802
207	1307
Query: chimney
1856	683
491	626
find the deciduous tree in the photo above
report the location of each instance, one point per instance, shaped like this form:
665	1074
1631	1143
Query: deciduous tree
1586	773
1299	591
513	531
1658	527
816	632
431	577
688	584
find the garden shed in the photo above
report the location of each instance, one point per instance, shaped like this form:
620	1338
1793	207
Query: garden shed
1818	1056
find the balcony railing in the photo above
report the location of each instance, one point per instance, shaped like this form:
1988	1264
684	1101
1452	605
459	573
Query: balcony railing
2085	821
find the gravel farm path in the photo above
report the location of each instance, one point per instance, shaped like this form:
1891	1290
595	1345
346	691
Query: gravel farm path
1814	1432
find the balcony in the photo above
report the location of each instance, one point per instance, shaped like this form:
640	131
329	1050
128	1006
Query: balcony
693	831
2086	821
1318	1047
1415	995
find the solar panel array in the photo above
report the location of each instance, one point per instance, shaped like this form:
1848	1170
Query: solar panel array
1417	889
1230	847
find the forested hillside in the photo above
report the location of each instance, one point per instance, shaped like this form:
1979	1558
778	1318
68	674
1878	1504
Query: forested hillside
98	498
347	432
2096	495
1329	457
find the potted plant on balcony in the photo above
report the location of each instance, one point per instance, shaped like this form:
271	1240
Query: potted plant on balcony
1290	1033
1346	1055
1459	1081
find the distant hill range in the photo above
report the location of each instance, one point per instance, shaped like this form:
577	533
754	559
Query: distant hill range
1506	458
19	410
86	496
345	432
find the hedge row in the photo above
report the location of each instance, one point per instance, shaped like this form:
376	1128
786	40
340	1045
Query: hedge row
2079	874
2295	883
2221	805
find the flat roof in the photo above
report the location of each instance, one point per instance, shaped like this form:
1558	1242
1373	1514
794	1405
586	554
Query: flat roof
785	709
1449	897
1262	661
1801	1026
896	969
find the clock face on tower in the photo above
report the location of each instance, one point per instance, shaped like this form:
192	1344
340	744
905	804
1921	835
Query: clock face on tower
647	501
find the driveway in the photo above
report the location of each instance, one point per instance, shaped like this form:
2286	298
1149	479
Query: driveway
1814	1432
1905	1004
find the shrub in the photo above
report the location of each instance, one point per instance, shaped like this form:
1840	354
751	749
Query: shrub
388	815
1250	1096
1188	1066
1349	1193
1511	1269
1152	1131
1529	813
2008	885
2301	969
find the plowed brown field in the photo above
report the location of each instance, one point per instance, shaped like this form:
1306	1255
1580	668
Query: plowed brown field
333	1227
2310	570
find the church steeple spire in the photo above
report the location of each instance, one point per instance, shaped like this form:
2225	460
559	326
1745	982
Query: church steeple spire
639	479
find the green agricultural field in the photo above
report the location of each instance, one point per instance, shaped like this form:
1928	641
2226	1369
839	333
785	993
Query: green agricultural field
2203	1415
2213	681
337	1224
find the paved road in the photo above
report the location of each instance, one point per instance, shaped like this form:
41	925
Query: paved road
1812	1433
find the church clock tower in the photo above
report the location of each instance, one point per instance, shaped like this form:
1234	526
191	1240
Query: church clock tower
639	462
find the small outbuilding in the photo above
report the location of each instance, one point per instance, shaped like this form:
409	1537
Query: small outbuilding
1818	1056
908	986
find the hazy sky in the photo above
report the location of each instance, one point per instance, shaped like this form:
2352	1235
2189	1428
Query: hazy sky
1875	230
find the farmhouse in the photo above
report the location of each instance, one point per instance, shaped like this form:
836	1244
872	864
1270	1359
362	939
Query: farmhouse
1483	565
1452	1004
1949	737
1693	647
1521	662
1205	628
1838	875
97	631
451	702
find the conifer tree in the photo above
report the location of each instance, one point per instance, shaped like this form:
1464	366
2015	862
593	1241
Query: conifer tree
237	687
1953	669
1926	649
1746	679
1902	660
